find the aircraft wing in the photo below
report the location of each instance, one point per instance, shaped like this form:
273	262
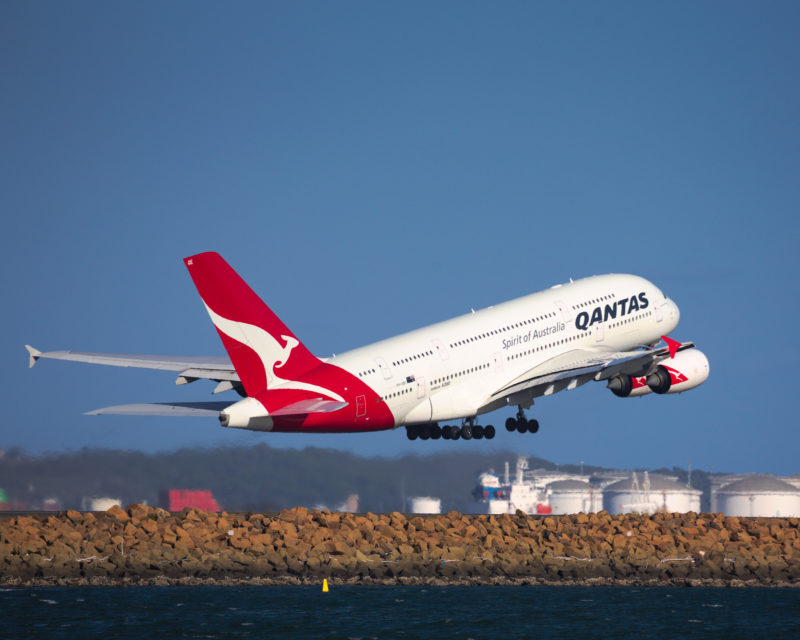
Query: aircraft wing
577	367
191	367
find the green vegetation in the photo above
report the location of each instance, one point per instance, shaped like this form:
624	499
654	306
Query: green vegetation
259	478
262	478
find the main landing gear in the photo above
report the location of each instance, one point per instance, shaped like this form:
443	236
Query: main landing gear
521	423
468	430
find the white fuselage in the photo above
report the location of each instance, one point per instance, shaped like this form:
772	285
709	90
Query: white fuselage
452	368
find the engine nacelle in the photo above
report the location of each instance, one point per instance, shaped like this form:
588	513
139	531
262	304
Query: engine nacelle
687	370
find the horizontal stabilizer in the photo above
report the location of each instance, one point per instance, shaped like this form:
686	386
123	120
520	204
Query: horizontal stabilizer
315	405
197	409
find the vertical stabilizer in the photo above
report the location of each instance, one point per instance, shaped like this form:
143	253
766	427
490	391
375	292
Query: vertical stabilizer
262	349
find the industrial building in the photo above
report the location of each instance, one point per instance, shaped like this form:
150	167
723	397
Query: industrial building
650	493
541	491
527	490
573	496
755	496
99	504
424	504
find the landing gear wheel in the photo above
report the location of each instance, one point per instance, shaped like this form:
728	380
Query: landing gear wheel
466	432
446	432
435	431
522	426
455	433
411	433
533	426
511	424
488	432
477	432
424	433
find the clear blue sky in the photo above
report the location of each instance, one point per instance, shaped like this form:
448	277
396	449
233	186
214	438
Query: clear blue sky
373	167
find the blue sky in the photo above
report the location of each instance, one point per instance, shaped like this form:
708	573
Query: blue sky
373	167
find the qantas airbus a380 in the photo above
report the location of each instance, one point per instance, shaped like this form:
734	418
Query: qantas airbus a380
602	328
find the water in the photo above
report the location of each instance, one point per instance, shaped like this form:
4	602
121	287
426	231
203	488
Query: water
398	612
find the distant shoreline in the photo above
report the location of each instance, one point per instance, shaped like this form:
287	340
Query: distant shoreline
146	546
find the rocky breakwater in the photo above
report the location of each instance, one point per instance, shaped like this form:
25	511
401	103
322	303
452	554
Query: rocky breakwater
142	545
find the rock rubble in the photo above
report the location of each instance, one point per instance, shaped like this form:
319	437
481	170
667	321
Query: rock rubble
143	545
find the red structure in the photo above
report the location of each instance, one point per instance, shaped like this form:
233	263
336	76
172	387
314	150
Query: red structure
180	499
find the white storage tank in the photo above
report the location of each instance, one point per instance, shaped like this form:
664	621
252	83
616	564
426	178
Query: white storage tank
759	496
573	496
793	480
644	493
425	504
100	504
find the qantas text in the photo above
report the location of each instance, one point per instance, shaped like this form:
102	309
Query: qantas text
604	313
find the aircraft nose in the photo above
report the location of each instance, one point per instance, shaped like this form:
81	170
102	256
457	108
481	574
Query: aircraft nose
673	313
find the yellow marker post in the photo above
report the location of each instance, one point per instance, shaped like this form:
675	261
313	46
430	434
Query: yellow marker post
324	585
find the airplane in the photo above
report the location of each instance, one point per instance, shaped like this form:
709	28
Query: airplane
606	328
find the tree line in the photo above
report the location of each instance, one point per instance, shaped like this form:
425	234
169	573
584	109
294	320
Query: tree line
259	478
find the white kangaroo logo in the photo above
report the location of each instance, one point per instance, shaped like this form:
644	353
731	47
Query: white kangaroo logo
272	354
291	343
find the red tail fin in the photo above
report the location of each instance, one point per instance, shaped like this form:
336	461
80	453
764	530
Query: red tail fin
263	350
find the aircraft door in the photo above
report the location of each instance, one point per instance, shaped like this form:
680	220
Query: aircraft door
384	368
420	387
564	310
441	349
498	361
599	334
361	406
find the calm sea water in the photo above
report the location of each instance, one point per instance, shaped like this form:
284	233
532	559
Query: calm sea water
399	612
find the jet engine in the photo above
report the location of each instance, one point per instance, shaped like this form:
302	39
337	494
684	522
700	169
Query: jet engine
687	370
